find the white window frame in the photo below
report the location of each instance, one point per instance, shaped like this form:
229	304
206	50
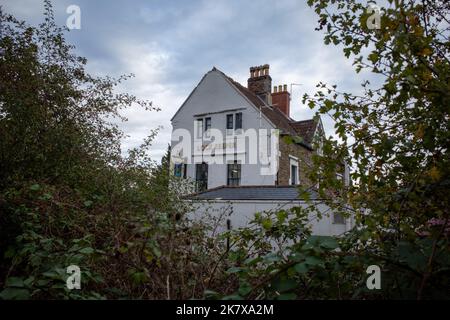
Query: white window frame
293	161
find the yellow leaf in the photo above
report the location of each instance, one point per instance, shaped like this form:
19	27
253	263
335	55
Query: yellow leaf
425	52
419	132
434	173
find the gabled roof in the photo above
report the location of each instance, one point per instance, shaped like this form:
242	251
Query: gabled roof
283	193
278	118
305	128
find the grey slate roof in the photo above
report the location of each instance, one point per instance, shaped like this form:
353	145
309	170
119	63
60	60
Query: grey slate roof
286	193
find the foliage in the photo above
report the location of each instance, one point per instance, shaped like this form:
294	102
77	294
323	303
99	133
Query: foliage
394	138
67	194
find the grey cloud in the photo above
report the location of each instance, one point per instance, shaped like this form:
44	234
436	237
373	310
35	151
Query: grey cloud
169	45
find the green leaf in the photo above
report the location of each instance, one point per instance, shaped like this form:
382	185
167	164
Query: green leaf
87	250
287	296
35	187
15	294
267	224
301	268
283	285
271	257
252	261
234	270
88	203
233	297
14	282
329	242
245	288
313	261
373	57
281	216
210	294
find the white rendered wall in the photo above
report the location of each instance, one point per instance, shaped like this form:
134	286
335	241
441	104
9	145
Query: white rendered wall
216	95
240	212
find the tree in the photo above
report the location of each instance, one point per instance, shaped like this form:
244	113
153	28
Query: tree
395	138
69	197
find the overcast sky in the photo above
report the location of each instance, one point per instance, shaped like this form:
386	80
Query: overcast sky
170	45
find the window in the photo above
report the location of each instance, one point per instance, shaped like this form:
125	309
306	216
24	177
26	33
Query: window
238	121
207	127
201	176
207	124
293	163
338	218
180	170
199	128
294	170
234	174
229	121
177	170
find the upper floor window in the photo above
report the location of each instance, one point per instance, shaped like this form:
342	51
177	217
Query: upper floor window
229	121
234	174
294	172
203	127
234	121
238	121
207	127
293	162
207	124
199	128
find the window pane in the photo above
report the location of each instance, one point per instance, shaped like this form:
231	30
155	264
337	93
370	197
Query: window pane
185	171
238	120
201	176
293	174
199	128
234	174
177	170
338	218
229	121
207	123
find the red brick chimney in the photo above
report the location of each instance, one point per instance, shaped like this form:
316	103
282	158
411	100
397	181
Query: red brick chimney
281	98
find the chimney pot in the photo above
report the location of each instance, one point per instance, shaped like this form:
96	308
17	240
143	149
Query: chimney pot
281	99
260	82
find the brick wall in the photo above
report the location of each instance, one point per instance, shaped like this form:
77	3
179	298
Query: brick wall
304	162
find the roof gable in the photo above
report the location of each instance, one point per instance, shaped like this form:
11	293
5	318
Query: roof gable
305	128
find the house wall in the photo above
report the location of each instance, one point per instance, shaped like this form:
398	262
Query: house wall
215	95
304	162
241	212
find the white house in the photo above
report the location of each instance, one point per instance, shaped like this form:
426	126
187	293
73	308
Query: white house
236	207
230	137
